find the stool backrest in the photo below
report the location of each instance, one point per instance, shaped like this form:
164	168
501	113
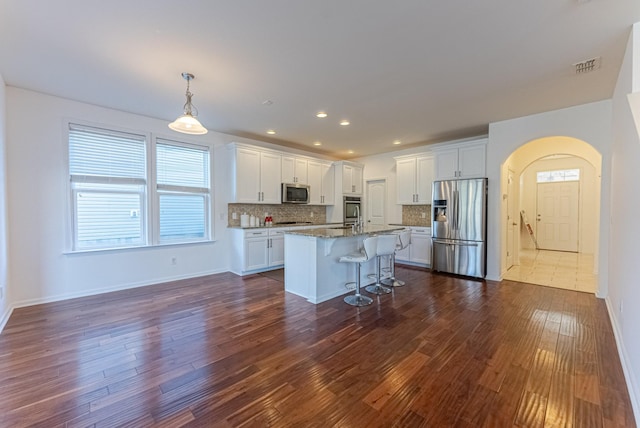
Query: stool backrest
386	244
405	238
370	246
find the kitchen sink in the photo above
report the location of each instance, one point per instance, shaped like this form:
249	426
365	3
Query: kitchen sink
340	227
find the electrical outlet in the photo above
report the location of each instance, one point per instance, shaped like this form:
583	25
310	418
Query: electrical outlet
174	260
311	214
424	215
234	216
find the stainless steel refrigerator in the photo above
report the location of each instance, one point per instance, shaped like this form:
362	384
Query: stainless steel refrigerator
459	227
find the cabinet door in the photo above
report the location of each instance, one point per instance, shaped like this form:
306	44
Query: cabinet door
446	164
328	184
424	179
314	174
301	171
347	177
247	179
356	180
276	250
420	248
256	253
270	169
406	181
472	161
288	169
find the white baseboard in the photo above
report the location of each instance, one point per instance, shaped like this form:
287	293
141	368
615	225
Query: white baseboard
5	317
624	360
93	292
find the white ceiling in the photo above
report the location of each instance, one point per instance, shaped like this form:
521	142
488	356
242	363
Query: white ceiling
417	71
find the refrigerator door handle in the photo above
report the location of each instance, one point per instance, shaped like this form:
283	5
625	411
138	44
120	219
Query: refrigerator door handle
458	243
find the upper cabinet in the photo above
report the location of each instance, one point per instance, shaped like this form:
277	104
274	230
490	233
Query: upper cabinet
414	179
256	175
462	160
321	181
350	176
294	169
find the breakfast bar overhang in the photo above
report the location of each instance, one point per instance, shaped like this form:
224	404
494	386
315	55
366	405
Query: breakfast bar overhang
311	260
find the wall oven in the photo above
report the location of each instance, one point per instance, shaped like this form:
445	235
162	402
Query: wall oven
352	209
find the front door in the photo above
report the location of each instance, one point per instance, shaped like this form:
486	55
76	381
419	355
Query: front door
376	201
557	216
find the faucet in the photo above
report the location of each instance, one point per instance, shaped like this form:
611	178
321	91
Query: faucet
358	219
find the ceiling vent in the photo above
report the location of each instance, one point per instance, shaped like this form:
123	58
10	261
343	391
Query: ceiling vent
587	66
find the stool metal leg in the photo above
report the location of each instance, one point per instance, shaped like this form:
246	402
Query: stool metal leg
392	281
358	299
377	288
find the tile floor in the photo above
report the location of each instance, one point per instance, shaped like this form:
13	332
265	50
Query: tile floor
571	271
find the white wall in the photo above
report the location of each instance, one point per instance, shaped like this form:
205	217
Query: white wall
384	166
37	208
587	214
5	308
623	300
590	123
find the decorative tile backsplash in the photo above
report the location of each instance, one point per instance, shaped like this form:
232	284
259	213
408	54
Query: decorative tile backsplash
412	215
316	214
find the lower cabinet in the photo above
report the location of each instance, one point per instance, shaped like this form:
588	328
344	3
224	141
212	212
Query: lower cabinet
258	250
418	253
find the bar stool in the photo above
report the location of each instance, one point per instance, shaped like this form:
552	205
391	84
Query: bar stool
404	239
368	251
386	246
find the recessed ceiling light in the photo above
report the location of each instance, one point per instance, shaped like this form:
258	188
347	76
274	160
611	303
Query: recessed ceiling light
271	132
350	152
345	122
267	102
321	114
397	142
317	143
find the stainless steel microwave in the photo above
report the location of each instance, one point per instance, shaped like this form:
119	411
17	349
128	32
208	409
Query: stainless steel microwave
294	193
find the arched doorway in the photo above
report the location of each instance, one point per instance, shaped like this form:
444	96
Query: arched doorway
571	267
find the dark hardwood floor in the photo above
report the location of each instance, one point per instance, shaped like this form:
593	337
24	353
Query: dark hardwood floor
228	351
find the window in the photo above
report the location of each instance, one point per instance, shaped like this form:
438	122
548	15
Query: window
183	191
558	175
114	198
108	184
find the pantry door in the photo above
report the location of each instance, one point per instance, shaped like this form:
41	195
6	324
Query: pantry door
376	201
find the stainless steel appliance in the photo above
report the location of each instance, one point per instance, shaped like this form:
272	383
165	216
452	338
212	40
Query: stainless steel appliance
294	193
352	209
459	227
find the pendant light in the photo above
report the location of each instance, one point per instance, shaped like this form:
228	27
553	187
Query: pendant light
187	123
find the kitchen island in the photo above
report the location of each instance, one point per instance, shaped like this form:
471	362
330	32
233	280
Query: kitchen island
311	260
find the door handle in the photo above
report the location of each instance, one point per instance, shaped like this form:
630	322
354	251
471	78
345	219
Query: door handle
514	224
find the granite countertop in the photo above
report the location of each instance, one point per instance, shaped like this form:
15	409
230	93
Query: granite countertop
342	231
411	225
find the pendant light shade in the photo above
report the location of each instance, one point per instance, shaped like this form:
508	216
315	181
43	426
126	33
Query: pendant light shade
187	123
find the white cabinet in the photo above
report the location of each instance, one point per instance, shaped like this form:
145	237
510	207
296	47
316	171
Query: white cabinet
349	177
419	251
294	169
321	180
255	176
463	160
255	250
414	179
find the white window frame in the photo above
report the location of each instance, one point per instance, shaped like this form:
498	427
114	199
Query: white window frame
149	211
159	189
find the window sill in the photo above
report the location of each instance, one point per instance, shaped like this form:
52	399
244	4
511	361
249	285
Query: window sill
136	248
